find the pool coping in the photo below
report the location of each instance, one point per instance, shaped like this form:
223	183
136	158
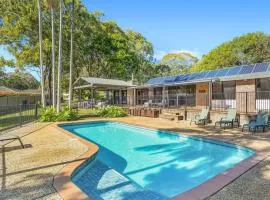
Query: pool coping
68	190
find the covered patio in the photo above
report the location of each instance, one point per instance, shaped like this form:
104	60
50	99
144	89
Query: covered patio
114	92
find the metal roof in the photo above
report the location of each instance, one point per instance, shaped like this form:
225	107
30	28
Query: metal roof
252	71
93	82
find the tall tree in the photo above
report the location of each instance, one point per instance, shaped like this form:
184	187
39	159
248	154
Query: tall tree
51	5
246	49
71	57
41	56
58	107
179	62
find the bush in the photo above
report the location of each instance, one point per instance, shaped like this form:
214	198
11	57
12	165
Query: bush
50	115
112	111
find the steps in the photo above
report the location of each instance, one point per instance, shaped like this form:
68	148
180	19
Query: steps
172	115
101	182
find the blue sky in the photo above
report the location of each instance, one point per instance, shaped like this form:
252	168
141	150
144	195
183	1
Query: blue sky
196	26
175	25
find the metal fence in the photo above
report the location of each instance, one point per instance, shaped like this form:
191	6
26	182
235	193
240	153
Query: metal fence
11	116
14	100
243	102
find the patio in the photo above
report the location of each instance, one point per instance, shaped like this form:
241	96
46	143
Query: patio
28	173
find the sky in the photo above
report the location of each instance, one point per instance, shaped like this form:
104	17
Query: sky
177	25
195	26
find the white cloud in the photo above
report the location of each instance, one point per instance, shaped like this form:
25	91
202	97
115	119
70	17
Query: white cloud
159	54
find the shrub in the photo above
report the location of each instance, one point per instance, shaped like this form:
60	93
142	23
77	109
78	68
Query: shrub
49	114
67	114
112	111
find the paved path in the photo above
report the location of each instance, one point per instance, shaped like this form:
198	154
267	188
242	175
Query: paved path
28	173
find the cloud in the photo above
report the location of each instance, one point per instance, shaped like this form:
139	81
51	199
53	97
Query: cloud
159	54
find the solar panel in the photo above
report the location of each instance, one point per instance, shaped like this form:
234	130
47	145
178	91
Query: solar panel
247	69
193	76
183	77
222	72
211	74
261	67
170	79
158	80
233	71
202	74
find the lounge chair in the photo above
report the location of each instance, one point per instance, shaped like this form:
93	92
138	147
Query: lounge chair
229	119
201	118
11	137
260	122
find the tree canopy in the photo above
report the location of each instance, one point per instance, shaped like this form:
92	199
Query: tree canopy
101	48
179	62
246	49
18	80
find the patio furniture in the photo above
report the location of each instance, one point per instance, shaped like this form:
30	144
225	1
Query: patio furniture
201	118
11	137
230	119
260	122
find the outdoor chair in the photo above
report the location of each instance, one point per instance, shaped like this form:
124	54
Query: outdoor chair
260	122
11	137
201	118
230	119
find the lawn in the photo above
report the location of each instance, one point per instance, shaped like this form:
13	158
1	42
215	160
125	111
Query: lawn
13	117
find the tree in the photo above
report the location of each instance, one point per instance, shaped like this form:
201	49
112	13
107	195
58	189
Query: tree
179	62
246	49
52	4
41	56
19	80
71	57
101	48
58	106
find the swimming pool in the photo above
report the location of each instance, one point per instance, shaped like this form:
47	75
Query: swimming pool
161	161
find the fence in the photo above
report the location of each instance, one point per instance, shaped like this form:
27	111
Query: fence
14	100
11	116
243	102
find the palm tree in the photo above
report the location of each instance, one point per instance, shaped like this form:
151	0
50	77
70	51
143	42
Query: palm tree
51	4
71	56
58	107
41	56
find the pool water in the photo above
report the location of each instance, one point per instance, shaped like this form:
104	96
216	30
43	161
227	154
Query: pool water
163	162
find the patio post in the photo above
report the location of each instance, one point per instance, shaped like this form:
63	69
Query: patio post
80	95
163	97
210	95
92	97
120	96
134	97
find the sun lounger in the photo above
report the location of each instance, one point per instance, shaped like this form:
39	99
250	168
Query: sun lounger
260	122
230	119
11	137
201	118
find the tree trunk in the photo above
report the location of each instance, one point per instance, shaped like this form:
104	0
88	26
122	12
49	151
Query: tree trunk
41	56
59	60
53	57
71	57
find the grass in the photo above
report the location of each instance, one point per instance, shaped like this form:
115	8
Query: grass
15	118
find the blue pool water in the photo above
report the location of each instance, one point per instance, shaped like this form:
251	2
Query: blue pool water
162	162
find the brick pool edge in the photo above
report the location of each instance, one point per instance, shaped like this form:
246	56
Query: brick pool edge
62	180
68	190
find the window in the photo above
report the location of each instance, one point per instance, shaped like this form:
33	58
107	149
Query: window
223	90
262	88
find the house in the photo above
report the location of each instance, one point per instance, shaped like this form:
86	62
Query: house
245	88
